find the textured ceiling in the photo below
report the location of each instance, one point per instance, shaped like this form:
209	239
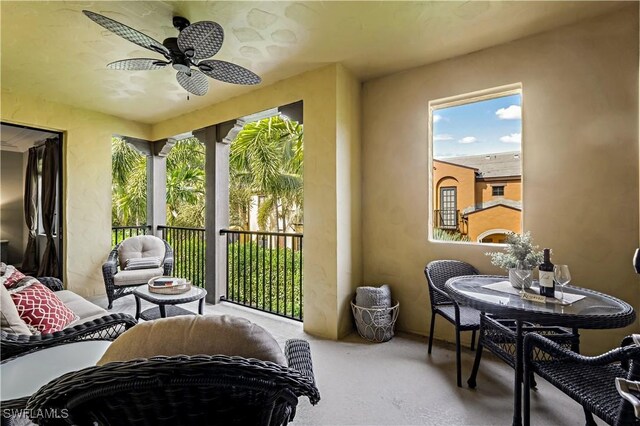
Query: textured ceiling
51	50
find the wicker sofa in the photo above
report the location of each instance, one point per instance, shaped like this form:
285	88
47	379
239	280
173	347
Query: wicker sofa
94	323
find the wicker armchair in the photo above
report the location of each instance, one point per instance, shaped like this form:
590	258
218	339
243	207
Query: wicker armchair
112	269
590	381
462	317
107	327
182	390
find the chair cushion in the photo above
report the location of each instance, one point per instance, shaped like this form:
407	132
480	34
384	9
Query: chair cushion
469	317
195	335
136	277
10	320
80	306
140	246
40	307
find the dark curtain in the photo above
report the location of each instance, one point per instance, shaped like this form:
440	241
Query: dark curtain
49	266
30	258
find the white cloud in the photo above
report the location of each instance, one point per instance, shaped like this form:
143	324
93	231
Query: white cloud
512	138
512	112
468	139
436	118
442	137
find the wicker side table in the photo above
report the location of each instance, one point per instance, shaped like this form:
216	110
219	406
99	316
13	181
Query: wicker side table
166	302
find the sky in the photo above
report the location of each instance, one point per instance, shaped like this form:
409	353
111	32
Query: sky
483	127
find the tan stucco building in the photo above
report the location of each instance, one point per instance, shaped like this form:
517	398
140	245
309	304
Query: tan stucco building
478	196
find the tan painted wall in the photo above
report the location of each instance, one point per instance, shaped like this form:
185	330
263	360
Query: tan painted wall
87	180
580	125
349	195
492	218
332	249
12	226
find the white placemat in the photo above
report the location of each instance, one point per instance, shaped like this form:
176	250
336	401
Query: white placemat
506	287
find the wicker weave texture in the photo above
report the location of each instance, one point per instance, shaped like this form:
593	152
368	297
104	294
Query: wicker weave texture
439	271
590	381
183	390
110	268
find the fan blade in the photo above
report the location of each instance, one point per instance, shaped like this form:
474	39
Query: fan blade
201	40
128	33
228	72
137	64
195	83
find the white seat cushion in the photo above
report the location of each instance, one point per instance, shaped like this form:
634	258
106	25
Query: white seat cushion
136	277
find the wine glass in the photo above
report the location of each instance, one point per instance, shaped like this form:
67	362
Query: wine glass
562	276
523	274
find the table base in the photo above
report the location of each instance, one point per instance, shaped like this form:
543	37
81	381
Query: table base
170	311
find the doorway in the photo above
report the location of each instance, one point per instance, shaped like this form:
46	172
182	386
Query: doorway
31	169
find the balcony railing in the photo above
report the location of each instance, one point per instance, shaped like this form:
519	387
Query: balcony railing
264	271
446	219
120	233
188	252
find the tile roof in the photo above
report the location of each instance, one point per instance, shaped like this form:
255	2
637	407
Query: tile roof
491	165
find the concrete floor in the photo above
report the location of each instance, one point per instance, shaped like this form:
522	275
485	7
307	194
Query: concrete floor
397	383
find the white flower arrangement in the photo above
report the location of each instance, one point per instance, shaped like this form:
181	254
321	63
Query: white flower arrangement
519	248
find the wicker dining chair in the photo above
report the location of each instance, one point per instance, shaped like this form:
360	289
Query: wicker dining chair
462	317
194	389
590	381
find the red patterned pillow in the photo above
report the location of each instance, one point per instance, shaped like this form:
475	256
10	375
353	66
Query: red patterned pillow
39	307
11	276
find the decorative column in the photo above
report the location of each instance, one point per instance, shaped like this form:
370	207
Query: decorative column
216	206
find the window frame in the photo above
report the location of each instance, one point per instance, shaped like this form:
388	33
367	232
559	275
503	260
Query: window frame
464	99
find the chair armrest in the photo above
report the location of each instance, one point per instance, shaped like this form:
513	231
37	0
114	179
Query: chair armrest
168	259
621	354
298	354
110	267
107	327
53	283
625	388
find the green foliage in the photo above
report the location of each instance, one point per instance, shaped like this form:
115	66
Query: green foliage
519	248
266	278
129	185
267	159
444	235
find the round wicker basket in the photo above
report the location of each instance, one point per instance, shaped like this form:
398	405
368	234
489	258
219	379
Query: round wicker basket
176	289
375	324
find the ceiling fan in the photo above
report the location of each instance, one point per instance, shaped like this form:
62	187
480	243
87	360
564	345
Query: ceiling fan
186	53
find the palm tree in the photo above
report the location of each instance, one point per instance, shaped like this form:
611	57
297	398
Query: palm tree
129	185
185	184
267	159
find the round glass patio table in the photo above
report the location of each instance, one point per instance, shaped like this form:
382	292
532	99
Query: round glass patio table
594	311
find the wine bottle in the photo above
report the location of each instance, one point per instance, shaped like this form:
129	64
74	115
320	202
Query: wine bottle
547	283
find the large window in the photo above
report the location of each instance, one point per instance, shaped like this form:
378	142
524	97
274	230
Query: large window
476	181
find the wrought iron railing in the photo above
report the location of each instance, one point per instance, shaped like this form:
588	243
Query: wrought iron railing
446	219
120	233
188	252
264	271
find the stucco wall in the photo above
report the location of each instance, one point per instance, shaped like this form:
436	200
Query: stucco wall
580	134
87	180
498	217
12	225
332	257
